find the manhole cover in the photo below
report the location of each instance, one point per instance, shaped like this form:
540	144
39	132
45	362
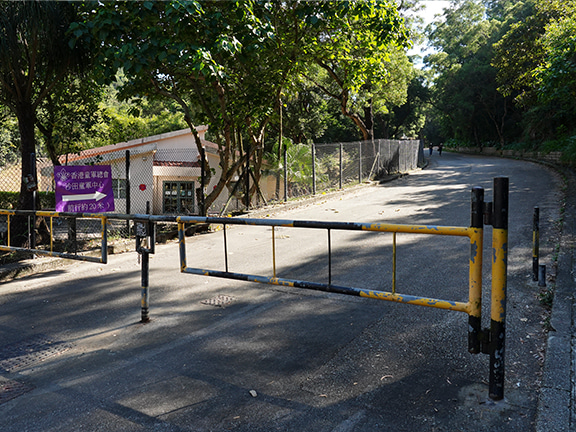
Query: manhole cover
29	352
219	300
12	389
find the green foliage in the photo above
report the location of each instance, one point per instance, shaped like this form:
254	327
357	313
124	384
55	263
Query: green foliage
465	90
535	61
9	200
227	63
9	138
35	57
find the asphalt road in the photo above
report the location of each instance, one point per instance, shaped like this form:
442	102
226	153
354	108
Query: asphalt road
75	357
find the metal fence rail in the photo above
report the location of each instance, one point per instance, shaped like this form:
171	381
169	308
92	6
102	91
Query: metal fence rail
6	216
474	234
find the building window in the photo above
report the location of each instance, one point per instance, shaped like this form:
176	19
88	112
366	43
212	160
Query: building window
178	197
119	188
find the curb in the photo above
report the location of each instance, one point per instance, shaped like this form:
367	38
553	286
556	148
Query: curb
555	401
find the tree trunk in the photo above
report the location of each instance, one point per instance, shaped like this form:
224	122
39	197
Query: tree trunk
26	120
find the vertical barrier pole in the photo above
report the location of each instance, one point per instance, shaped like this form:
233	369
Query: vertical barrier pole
535	243
145	278
499	287
104	236
542	275
182	245
475	277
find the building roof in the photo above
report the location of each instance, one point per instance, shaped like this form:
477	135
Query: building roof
139	143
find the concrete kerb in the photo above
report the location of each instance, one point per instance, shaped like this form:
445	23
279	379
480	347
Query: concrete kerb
556	399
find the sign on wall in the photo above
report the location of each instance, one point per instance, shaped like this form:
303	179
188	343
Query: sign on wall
84	189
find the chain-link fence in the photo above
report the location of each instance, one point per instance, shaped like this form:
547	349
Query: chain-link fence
322	167
149	179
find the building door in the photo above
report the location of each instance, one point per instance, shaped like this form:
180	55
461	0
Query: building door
178	197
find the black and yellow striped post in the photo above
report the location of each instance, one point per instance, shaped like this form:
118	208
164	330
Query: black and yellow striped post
499	287
475	313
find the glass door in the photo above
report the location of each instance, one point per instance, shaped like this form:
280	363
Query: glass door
178	197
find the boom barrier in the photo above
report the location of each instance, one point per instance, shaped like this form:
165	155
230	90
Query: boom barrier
10	214
480	340
488	341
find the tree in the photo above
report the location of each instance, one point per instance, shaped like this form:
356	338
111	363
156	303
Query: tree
360	49
188	52
227	63
407	119
68	116
465	90
35	56
555	78
535	61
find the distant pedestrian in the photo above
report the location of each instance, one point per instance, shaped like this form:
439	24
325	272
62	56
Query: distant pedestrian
430	148
440	148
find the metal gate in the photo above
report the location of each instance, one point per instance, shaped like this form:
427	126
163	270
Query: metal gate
488	341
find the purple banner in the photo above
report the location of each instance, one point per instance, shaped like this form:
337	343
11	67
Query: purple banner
84	189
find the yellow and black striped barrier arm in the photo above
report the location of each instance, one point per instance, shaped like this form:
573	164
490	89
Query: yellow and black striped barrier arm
103	258
472	306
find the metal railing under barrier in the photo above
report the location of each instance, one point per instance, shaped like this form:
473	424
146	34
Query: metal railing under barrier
49	251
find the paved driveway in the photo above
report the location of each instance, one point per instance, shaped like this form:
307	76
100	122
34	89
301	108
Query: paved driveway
75	356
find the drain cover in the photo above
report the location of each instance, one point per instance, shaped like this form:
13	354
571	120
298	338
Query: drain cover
29	352
12	389
219	300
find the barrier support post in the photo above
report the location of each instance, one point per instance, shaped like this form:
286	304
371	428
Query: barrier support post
499	287
145	286
535	243
475	278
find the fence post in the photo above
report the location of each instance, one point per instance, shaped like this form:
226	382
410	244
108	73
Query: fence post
285	174
340	163
72	245
247	198
313	169
128	190
499	287
35	182
476	247
535	243
360	162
